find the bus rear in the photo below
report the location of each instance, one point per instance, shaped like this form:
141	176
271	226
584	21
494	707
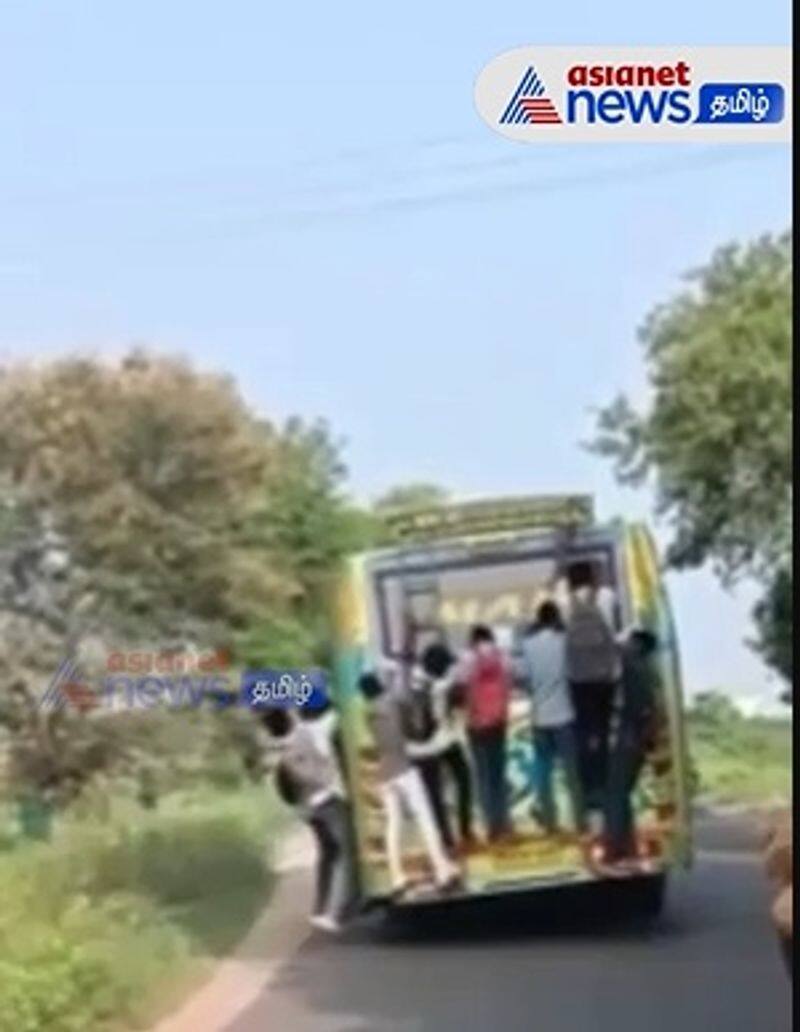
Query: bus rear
494	564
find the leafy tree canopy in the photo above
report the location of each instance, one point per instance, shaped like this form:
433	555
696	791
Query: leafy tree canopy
142	504
715	438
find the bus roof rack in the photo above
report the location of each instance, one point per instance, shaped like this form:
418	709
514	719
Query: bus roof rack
489	516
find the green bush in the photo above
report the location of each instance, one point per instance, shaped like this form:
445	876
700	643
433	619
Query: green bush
90	969
736	758
94	921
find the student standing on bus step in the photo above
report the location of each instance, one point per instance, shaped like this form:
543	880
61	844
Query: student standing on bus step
308	778
402	788
441	753
486	673
579	576
637	722
544	654
593	669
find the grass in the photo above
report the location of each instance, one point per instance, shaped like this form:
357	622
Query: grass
109	922
749	761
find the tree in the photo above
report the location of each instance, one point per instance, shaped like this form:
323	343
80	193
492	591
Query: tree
715	440
49	751
309	518
150	470
775	625
714	712
309	522
142	503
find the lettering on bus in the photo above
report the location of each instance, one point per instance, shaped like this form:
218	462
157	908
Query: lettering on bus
504	607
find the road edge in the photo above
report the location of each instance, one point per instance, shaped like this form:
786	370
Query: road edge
237	980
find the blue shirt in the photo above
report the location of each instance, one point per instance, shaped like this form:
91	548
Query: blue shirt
544	662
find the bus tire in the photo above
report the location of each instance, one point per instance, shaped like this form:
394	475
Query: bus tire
648	894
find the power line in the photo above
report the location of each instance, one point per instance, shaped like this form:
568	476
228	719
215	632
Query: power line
422	194
221	178
612	176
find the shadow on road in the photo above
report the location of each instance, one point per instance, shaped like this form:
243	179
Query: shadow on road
580	912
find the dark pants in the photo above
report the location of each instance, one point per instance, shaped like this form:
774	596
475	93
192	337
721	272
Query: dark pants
550	744
455	760
625	764
432	770
335	870
593	703
489	753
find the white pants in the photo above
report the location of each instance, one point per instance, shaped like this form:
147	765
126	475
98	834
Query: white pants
407	792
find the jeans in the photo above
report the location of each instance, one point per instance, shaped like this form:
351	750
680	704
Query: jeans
335	869
625	764
433	769
455	760
593	704
551	743
489	752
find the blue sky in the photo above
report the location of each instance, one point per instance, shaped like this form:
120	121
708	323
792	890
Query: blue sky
306	199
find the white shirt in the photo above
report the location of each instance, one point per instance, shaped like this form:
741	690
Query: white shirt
321	731
544	661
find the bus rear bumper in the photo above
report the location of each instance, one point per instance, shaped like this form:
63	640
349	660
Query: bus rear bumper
428	896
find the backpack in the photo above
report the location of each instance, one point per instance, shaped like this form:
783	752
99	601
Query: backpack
488	692
416	714
590	646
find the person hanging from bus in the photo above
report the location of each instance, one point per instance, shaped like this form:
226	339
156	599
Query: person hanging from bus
487	675
423	730
442	755
308	779
575	582
637	722
402	788
593	670
553	717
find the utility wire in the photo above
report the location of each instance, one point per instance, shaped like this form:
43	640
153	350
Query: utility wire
476	193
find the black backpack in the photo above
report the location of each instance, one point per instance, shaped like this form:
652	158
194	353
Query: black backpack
418	720
590	646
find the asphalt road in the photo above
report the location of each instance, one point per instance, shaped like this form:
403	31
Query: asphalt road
709	964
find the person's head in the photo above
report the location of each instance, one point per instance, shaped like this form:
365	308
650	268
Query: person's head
370	686
581	574
437	659
548	616
643	641
481	637
278	722
314	712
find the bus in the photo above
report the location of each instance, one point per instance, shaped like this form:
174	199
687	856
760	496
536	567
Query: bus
493	562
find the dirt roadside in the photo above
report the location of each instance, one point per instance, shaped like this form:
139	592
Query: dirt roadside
279	930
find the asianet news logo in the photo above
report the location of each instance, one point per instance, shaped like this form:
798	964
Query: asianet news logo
616	93
144	680
553	93
633	92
